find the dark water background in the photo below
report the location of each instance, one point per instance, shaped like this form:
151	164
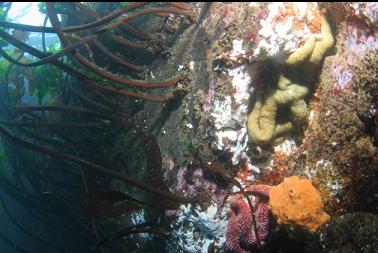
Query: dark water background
52	234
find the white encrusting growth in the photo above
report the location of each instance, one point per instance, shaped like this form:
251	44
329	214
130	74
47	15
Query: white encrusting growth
195	229
333	185
287	147
237	50
230	116
285	28
139	218
367	10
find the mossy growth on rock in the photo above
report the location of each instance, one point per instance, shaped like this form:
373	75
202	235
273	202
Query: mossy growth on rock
365	82
339	149
352	232
365	77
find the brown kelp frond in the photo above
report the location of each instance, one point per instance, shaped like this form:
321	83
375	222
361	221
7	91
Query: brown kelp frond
58	108
109	203
147	227
55	124
92	166
155	170
54	56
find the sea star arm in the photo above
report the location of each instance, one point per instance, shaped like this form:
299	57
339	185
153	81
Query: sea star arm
262	120
322	46
232	243
293	93
298	112
320	49
284	128
301	53
298	109
283	82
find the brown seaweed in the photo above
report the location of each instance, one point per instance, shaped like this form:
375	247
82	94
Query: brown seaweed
108	203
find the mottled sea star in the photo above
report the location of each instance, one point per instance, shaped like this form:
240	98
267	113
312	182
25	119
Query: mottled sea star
240	235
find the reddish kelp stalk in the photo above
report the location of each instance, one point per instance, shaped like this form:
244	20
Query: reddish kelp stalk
85	79
92	67
88	106
94	167
120	20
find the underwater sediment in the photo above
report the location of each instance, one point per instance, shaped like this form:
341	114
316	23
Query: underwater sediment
200	127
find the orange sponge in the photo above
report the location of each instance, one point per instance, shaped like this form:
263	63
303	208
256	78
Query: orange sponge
296	202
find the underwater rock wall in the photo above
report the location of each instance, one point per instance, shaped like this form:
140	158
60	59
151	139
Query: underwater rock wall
233	54
341	127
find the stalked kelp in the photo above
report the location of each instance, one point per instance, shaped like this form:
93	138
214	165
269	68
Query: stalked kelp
62	107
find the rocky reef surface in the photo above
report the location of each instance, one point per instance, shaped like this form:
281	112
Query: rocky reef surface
274	90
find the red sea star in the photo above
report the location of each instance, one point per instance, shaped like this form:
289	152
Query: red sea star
240	235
